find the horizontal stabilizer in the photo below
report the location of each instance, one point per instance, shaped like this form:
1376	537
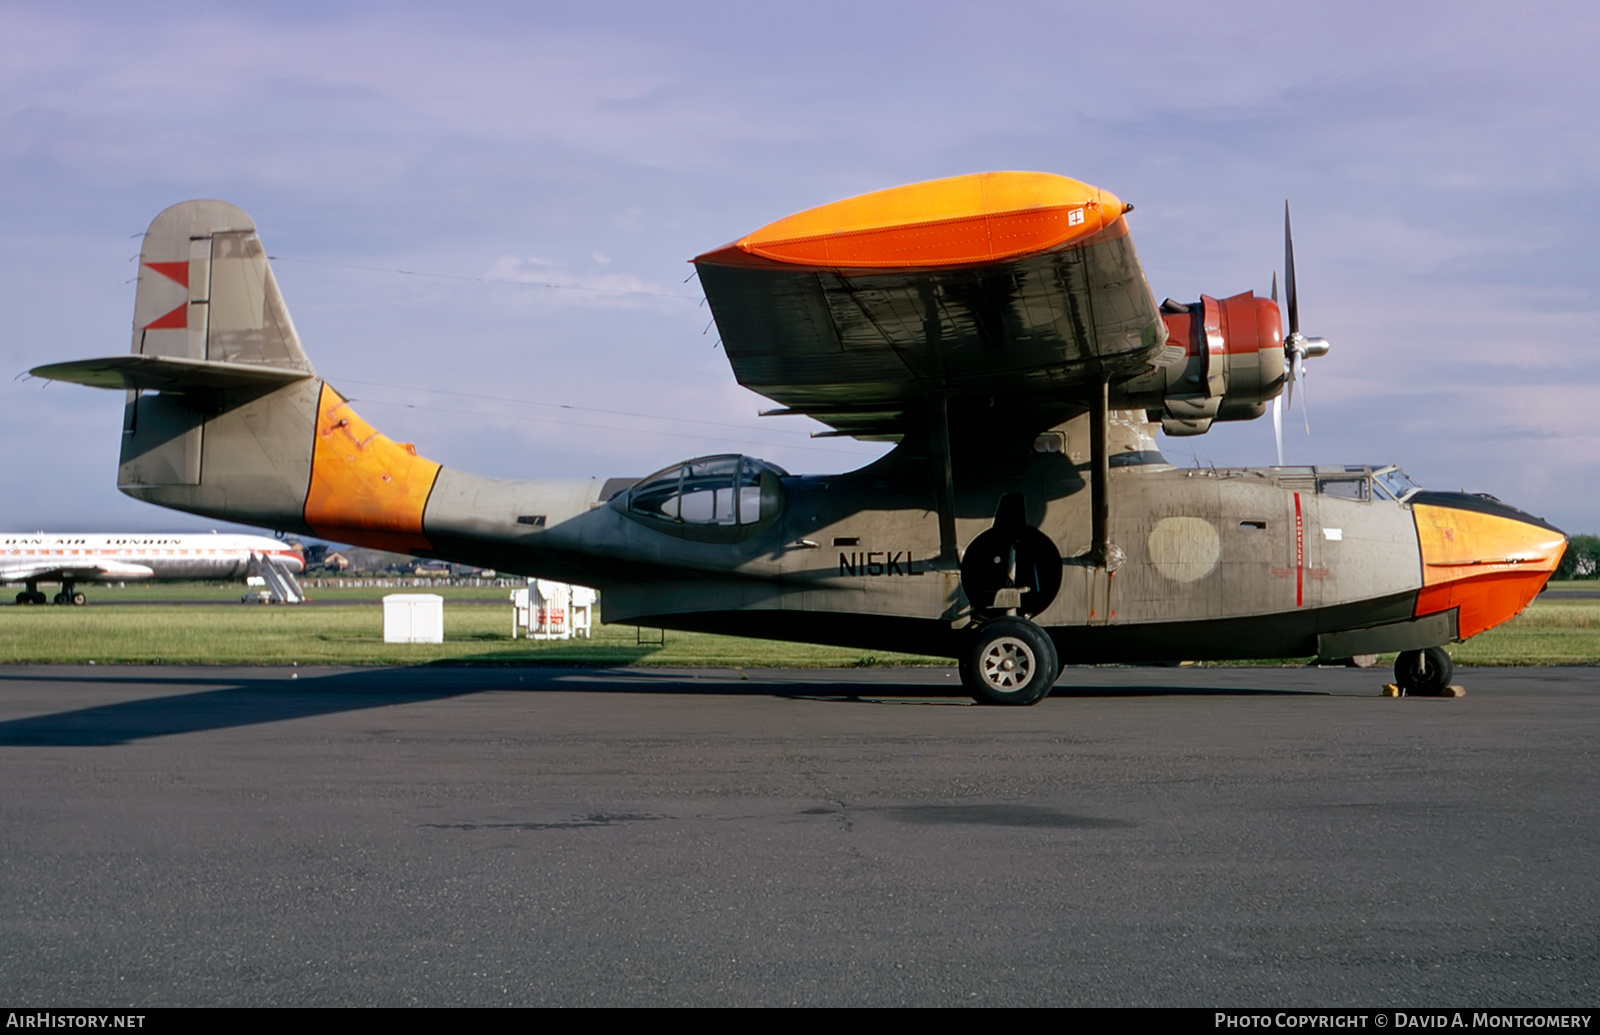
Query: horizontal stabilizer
168	374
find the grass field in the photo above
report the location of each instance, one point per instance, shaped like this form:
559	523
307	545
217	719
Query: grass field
345	626
1554	632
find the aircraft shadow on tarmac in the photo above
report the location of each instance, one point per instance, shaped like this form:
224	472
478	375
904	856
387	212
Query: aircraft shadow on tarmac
254	701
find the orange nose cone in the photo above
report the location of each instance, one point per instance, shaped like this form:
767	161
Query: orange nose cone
1490	566
984	217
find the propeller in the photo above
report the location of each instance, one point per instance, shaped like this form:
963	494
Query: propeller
1297	348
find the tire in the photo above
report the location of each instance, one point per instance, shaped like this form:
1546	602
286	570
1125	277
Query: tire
1011	661
78	600
1423	673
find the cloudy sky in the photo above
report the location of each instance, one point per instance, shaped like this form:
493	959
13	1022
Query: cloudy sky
544	171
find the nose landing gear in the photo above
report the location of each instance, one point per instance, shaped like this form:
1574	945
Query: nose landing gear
1423	673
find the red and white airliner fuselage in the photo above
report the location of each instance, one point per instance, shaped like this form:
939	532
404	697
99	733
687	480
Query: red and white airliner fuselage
68	558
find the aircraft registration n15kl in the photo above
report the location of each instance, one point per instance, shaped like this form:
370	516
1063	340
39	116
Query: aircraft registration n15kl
32	558
999	329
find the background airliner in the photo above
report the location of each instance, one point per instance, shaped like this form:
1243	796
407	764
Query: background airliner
70	558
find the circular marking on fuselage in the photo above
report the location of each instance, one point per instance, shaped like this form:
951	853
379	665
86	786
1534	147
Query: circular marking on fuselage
1184	549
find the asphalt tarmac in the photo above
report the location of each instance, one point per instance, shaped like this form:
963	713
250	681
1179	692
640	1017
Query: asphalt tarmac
541	836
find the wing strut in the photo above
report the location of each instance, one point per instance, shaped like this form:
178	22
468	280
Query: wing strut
945	488
1100	474
939	427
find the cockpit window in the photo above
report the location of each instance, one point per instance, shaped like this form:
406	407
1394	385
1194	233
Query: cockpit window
1348	488
1393	483
714	491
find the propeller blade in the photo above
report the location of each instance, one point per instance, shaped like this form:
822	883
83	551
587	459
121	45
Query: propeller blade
1290	296
1277	424
1305	404
1296	346
1297	371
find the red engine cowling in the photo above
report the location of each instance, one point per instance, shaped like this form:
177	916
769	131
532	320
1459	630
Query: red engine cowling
1231	363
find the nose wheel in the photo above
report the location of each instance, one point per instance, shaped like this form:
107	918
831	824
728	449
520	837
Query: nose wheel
1423	673
1010	661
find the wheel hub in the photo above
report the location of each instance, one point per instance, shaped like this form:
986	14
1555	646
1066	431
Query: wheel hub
1007	664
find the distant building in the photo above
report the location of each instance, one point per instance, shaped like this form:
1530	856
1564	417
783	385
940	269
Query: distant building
335	562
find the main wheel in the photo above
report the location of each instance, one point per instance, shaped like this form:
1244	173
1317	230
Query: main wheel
1423	673
78	600
1011	661
60	598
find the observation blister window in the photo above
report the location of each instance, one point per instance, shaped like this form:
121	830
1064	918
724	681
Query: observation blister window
728	491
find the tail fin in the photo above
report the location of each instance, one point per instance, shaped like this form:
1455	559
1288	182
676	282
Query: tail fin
225	414
207	293
208	301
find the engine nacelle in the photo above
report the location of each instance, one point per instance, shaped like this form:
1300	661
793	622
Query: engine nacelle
1223	360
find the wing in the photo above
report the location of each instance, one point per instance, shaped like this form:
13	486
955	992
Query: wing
1009	288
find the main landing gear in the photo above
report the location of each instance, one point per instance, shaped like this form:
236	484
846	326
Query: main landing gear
1009	572
1423	673
1009	661
68	595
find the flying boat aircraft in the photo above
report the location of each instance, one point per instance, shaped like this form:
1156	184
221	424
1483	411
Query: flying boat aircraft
999	330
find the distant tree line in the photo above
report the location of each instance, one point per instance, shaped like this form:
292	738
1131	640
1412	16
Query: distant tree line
1582	559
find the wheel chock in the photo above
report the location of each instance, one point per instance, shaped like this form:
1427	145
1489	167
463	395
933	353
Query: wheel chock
1391	690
